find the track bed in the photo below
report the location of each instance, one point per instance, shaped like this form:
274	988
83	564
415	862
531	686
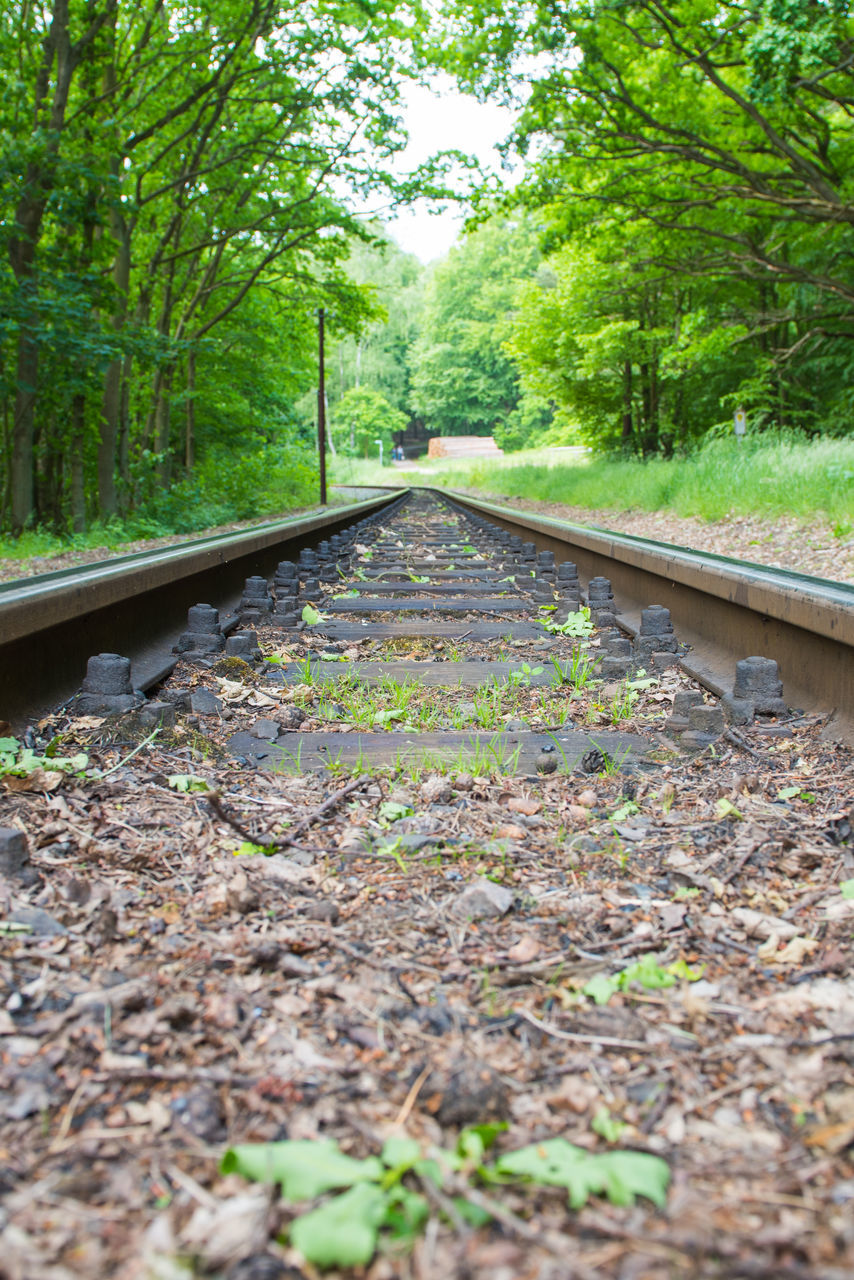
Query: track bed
419	867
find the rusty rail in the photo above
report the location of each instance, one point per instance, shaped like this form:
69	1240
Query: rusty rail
136	605
724	609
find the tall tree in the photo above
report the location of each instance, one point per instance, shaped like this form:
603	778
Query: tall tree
465	383
171	160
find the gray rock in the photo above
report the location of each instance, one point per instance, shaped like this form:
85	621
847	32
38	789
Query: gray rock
14	851
483	899
436	790
202	702
156	713
266	729
737	710
41	923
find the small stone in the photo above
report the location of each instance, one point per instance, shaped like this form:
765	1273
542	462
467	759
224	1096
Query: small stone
291	717
203	703
265	729
511	831
482	899
240	895
354	840
14	852
326	909
436	790
463	782
41	923
588	798
546	763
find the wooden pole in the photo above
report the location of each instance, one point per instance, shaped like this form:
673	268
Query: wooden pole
321	408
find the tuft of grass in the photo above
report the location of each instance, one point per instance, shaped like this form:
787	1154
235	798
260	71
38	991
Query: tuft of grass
765	475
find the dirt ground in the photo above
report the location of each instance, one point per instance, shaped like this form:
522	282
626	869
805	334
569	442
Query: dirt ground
411	959
803	546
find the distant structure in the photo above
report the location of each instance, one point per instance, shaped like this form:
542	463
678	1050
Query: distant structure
463	447
412	441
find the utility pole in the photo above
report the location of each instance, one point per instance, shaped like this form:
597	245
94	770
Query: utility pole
321	408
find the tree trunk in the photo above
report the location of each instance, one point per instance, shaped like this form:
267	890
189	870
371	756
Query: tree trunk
78	490
190	437
57	67
22	476
161	421
112	398
627	402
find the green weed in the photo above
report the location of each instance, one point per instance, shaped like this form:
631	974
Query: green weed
380	1198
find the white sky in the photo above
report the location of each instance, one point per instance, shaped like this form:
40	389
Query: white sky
440	120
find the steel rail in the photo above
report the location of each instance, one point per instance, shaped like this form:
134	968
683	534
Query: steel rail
724	609
135	604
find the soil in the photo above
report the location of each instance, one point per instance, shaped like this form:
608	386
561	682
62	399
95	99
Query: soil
171	992
803	546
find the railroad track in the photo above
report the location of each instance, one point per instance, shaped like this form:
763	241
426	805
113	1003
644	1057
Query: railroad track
418	575
530	873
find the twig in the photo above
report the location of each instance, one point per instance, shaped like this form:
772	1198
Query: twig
409	1101
443	1203
139	747
62	1132
176	1075
548	1240
613	1042
288	841
737	741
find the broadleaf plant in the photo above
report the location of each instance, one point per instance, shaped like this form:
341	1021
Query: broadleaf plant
375	1202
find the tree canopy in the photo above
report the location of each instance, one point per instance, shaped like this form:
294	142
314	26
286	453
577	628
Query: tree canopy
701	154
175	179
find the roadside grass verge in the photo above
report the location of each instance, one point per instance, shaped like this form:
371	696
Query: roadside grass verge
764	476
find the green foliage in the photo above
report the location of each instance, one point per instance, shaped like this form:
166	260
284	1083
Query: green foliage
577	624
174	206
361	418
691	166
522	676
19	761
464	382
380	355
767	474
346	1230
311	617
647	972
619	1175
187	782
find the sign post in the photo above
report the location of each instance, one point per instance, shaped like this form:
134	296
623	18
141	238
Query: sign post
321	407
739	423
